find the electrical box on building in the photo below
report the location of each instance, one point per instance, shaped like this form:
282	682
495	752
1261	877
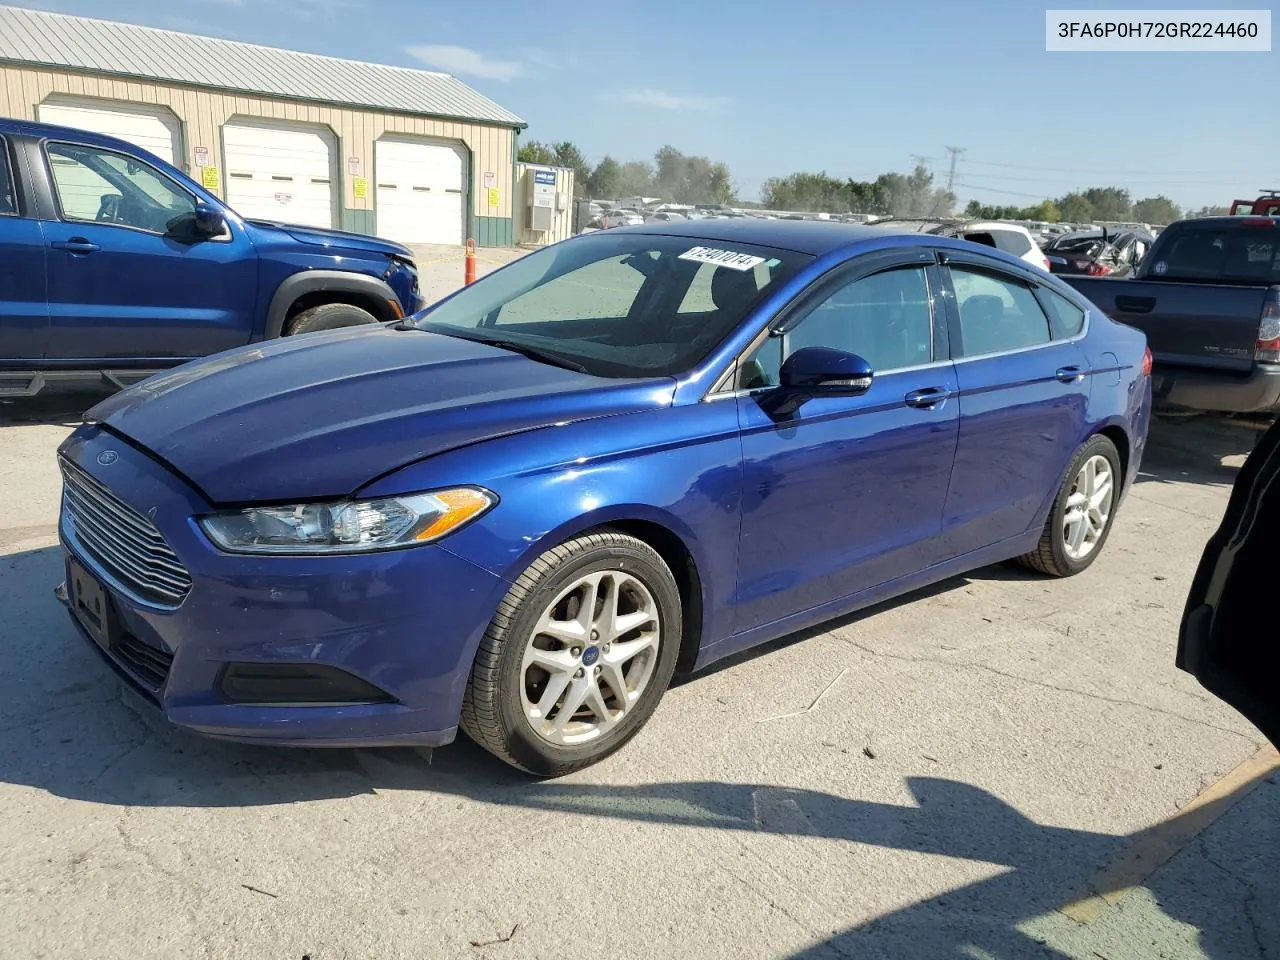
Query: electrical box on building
544	199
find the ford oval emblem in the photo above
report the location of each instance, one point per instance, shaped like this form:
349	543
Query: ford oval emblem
108	457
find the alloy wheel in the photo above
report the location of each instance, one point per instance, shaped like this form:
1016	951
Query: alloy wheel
1088	507
590	657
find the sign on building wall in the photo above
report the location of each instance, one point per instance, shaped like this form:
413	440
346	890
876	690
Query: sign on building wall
493	196
360	187
202	156
209	178
353	166
490	179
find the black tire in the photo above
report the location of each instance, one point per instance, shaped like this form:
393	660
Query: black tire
1050	555
492	712
328	316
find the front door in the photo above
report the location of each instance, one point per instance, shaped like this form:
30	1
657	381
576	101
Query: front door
127	278
1024	396
847	492
24	313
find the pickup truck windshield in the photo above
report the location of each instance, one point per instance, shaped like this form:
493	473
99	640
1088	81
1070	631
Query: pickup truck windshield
617	305
1221	253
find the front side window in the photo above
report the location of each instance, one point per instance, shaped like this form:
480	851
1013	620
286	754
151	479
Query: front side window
618	305
996	313
103	186
886	318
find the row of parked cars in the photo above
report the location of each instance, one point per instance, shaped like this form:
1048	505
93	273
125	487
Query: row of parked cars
477	515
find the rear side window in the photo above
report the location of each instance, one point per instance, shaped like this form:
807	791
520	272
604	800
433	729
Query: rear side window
996	313
1010	241
1222	253
1065	318
8	202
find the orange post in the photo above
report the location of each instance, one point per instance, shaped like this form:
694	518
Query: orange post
469	275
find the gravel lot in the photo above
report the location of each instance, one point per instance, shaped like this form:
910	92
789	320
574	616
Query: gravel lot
940	777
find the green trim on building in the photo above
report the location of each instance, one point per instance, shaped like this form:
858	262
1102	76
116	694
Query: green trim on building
494	232
358	221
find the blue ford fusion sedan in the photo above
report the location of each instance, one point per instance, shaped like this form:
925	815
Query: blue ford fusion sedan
637	451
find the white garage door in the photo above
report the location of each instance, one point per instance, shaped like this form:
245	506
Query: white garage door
279	173
420	191
151	129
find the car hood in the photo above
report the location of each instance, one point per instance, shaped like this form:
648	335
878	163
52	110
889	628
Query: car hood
335	239
322	415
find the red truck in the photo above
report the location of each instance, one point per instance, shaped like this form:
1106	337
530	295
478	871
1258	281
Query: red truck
1267	205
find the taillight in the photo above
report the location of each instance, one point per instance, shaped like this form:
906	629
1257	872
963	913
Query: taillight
1098	269
1146	362
1267	349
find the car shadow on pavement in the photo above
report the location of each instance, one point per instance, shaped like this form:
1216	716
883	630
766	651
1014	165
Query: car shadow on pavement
1207	450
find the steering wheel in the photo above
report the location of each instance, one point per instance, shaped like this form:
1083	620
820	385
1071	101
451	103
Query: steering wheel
109	208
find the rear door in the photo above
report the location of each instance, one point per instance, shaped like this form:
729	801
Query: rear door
1228	640
1024	397
24	312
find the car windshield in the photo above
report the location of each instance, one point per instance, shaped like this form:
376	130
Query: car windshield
617	305
1228	252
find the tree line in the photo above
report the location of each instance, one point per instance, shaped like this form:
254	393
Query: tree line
672	175
680	178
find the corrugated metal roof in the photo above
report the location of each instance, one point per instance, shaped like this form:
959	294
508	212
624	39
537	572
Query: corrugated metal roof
123	49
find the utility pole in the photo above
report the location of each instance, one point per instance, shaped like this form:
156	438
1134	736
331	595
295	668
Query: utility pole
919	160
951	172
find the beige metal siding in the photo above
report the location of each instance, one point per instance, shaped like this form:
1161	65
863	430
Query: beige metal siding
561	223
203	112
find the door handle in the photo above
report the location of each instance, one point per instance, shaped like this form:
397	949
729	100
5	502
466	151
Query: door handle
75	245
926	397
1128	304
1069	374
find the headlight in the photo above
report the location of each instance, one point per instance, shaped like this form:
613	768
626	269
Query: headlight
348	526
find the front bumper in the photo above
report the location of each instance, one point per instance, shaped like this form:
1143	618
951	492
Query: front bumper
406	621
1259	392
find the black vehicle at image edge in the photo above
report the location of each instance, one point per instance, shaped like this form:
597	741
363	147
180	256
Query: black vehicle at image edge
1228	638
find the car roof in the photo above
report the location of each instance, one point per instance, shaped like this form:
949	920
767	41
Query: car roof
813	237
28	128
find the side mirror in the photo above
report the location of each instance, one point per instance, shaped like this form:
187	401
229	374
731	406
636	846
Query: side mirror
210	221
817	372
822	371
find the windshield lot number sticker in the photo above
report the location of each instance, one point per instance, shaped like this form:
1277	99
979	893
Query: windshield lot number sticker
722	258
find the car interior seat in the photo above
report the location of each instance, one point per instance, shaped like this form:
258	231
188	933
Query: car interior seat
981	319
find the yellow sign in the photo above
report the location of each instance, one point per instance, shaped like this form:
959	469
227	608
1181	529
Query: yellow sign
209	178
493	196
360	187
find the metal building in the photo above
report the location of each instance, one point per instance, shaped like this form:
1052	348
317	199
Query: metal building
409	155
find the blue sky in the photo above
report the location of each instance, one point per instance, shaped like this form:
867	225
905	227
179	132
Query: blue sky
852	88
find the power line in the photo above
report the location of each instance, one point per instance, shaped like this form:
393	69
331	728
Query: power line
1006	178
1091	172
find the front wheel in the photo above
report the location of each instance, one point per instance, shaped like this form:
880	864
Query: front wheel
579	654
1082	513
328	316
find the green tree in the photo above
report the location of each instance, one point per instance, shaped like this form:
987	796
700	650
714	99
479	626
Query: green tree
635	179
1109	203
1076	208
568	155
808	192
535	151
1046	211
1156	210
914	195
604	179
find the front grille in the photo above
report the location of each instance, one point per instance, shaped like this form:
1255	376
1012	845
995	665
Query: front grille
151	666
126	543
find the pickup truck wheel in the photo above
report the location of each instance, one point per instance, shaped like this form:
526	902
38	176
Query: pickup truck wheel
328	316
577	657
1082	513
